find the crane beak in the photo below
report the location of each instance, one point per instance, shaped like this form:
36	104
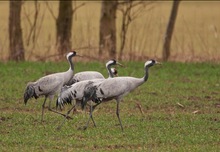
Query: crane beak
158	63
119	64
79	55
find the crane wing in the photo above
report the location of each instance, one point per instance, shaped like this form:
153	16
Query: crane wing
87	75
116	87
48	84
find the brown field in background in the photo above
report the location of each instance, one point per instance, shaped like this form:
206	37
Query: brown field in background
196	35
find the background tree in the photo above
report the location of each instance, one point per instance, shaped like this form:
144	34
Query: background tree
64	26
130	10
169	31
107	33
32	22
15	32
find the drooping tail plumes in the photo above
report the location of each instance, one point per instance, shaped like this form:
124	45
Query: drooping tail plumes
64	97
29	93
89	94
61	101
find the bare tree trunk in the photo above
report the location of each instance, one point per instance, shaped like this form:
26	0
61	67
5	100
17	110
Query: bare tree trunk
169	31
107	34
15	32
64	27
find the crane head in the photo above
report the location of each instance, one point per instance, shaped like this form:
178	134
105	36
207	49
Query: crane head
113	62
29	92
72	54
151	62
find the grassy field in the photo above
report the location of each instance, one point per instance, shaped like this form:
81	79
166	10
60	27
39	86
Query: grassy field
196	34
180	104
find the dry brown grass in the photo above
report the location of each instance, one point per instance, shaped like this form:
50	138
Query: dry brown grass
196	36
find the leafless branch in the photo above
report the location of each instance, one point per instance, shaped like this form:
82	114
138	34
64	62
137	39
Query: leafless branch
142	7
77	7
50	10
37	9
32	31
60	54
37	33
27	16
130	10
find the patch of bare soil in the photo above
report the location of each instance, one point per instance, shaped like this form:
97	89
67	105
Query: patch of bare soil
2	119
12	109
194	98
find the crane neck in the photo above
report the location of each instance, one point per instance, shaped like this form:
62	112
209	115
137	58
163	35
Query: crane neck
71	63
110	74
146	74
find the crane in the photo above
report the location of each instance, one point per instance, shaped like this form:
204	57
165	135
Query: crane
49	85
115	88
75	91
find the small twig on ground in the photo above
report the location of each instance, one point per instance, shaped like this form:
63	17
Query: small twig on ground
180	105
140	108
195	112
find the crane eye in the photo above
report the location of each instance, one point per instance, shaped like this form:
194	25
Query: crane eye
74	53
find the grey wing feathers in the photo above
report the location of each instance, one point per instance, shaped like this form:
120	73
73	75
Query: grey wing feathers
66	100
111	88
90	93
65	96
65	88
86	75
71	81
68	93
75	91
48	85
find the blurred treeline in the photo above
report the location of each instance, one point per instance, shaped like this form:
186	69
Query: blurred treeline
124	30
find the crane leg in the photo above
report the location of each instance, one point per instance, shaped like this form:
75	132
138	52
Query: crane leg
43	106
66	116
117	113
92	108
50	109
90	117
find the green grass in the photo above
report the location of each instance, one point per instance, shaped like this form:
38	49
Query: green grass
164	126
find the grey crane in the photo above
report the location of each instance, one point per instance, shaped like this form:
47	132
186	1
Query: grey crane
73	92
76	90
49	85
89	75
115	88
